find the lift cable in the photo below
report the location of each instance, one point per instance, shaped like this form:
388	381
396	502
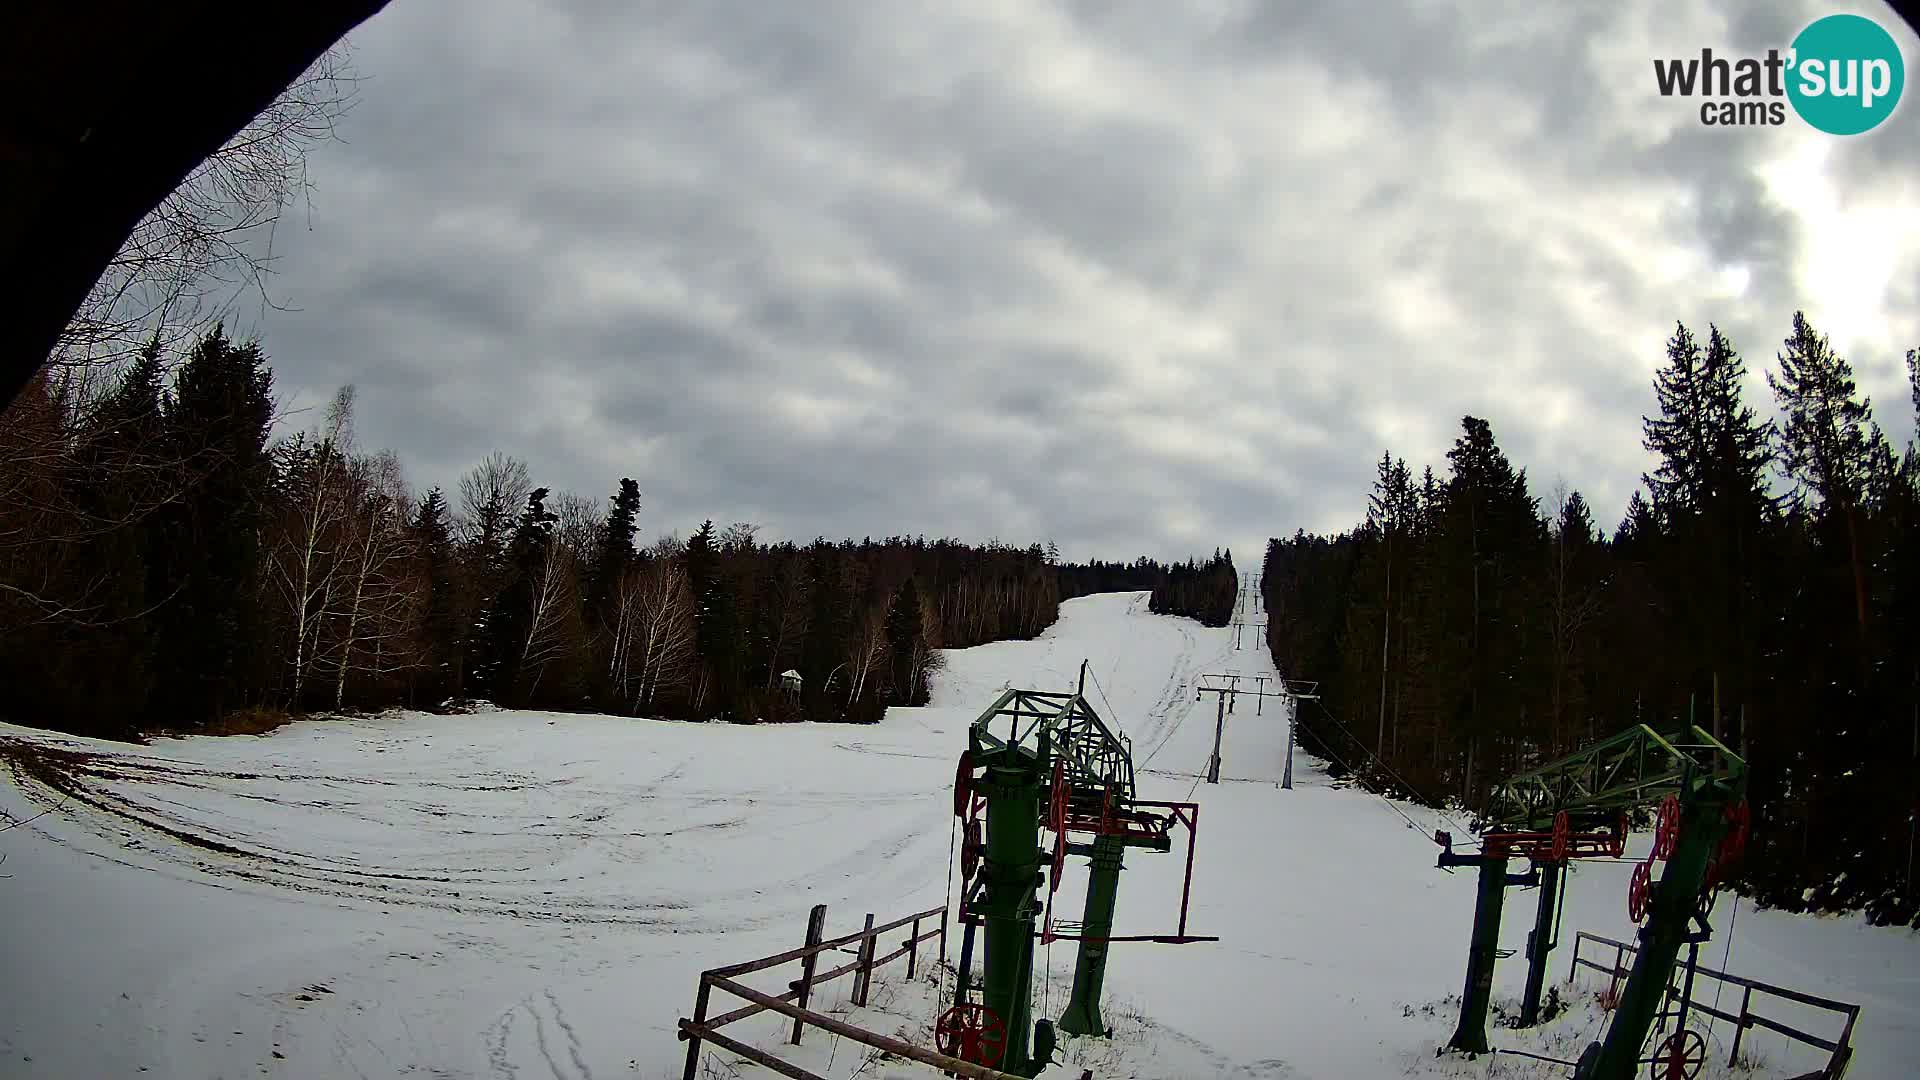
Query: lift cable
940	975
1389	771
1112	713
1721	984
1391	805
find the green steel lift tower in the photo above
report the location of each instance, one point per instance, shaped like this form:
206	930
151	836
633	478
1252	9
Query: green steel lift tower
1037	760
1576	808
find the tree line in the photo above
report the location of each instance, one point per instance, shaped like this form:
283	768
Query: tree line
1764	584
166	562
1205	591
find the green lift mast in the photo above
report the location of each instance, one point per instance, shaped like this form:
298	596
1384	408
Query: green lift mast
1576	807
1037	760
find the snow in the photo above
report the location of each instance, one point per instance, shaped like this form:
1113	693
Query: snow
530	895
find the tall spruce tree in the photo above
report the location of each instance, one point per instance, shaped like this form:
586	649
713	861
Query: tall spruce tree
1710	493
1492	533
1827	445
441	638
209	628
616	549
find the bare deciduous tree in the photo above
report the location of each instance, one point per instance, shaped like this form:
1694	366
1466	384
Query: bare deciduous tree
378	604
579	523
654	634
491	495
301	559
790	604
554	590
210	243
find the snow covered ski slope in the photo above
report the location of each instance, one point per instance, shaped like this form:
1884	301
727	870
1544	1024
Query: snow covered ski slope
529	895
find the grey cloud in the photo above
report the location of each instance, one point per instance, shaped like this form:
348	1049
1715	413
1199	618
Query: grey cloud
1133	276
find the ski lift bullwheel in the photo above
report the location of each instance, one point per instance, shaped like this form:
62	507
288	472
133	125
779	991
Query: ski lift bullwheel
1059	862
1739	823
1617	840
1057	805
1666	830
970	850
1562	836
971	1032
963	784
1680	1056
1639	892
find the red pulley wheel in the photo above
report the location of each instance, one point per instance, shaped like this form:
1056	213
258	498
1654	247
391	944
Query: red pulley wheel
1617	842
1059	862
1666	830
970	850
1639	892
1739	823
971	1032
1562	836
1679	1057
963	784
1057	808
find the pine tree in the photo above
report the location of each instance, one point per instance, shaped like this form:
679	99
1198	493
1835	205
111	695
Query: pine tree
511	621
1492	533
1710	493
440	634
123	482
1678	435
616	549
905	636
1827	446
217	423
716	619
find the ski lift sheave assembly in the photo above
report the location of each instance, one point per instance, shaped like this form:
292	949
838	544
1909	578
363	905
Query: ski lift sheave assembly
1576	808
1037	762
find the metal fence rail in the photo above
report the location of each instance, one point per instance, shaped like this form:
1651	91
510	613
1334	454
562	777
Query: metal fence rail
1839	1050
700	1027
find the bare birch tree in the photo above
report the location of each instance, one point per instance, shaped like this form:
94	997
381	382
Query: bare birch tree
554	595
867	650
377	599
303	565
655	634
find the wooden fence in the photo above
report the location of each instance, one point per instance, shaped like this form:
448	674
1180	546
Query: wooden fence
702	1028
1840	1050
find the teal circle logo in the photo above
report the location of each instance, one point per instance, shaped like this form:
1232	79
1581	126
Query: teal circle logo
1845	74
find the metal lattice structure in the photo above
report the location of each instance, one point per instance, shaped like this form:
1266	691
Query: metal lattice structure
1038	761
1551	815
1637	767
1039	724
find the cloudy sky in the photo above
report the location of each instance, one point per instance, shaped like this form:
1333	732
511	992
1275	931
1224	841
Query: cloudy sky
1139	277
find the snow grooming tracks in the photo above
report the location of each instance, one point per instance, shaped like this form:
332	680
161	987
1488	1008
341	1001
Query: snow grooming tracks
67	778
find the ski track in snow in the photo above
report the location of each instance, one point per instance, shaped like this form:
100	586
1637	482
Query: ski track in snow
520	895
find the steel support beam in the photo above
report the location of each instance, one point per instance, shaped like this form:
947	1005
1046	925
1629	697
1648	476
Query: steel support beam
1540	942
1012	871
1082	1016
1675	899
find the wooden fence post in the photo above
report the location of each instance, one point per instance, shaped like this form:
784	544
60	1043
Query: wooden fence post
913	947
863	975
816	929
699	1017
1740	1029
